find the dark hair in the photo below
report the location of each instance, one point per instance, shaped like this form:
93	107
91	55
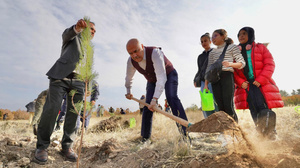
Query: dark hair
205	35
223	32
250	32
93	23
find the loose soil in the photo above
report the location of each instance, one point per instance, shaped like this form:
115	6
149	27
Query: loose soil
216	142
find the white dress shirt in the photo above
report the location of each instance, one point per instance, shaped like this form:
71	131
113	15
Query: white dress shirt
159	69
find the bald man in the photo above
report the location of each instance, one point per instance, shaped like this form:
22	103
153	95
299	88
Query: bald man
160	75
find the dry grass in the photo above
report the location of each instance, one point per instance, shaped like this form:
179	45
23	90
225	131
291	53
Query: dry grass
165	136
165	131
287	127
163	128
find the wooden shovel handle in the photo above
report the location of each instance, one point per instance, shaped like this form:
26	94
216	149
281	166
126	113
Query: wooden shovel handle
175	118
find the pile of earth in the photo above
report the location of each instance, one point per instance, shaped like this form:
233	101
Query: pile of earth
239	150
109	125
217	122
13	153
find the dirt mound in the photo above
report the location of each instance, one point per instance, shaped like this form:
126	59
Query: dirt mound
112	124
217	122
233	160
107	151
221	122
148	157
234	138
288	161
296	149
12	153
112	154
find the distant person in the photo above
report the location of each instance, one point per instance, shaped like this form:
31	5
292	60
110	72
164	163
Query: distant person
39	104
159	106
102	110
224	88
5	116
31	106
167	106
256	77
93	96
63	79
160	75
98	111
202	61
122	111
143	98
62	113
111	110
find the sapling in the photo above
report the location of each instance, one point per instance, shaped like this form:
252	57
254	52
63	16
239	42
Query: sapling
86	74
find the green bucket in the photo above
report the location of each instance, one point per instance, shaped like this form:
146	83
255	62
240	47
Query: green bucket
297	109
207	100
132	122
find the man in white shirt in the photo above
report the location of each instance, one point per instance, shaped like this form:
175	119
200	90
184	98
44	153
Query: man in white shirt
160	74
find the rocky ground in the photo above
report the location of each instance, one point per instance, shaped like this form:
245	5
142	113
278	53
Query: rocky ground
110	142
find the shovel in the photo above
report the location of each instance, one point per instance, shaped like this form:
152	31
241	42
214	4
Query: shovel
181	121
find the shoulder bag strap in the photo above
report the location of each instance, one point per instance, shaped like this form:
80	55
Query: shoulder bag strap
223	53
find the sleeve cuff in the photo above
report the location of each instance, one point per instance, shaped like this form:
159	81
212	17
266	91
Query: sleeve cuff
77	32
128	90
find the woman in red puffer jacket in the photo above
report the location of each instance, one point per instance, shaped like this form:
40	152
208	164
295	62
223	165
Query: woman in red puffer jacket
256	77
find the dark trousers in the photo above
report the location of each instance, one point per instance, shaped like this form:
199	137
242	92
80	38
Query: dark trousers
256	101
223	92
171	87
57	88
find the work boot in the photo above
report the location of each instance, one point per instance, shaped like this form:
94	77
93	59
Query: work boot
41	155
146	141
69	154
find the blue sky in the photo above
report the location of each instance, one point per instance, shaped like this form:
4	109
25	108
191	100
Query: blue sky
31	41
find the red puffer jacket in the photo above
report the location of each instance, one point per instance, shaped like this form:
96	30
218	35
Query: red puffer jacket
263	68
